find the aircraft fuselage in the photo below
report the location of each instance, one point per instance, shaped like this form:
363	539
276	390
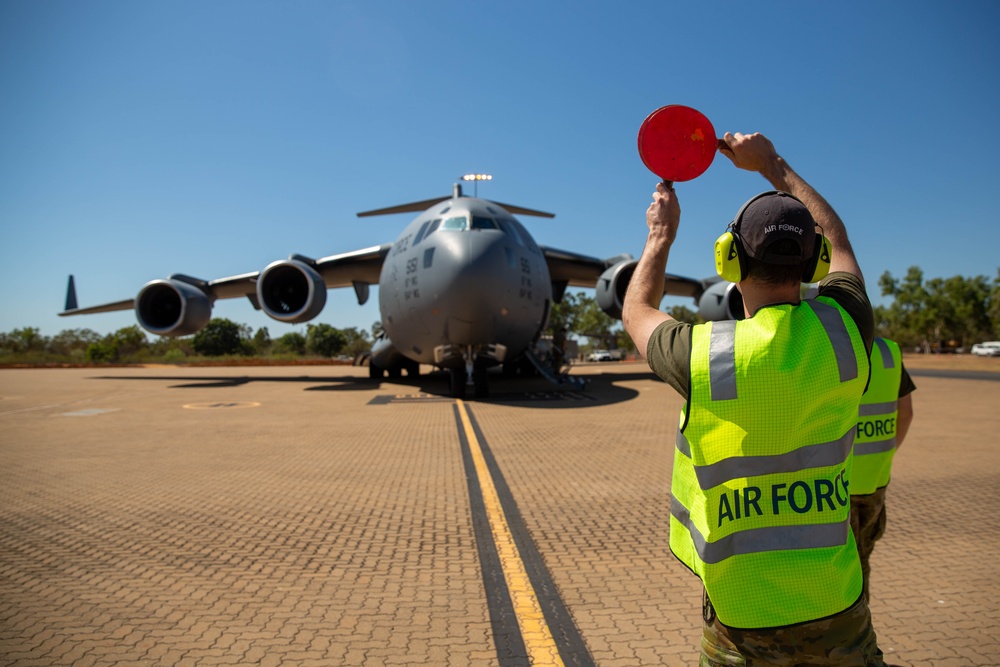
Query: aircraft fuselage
464	274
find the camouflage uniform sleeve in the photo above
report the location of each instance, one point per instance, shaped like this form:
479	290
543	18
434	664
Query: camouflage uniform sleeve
848	291
669	355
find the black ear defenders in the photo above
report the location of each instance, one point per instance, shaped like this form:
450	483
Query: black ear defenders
731	255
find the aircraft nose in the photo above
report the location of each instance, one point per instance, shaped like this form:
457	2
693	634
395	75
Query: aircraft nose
478	289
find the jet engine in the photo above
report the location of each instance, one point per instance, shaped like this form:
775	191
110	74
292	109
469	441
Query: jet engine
611	287
291	291
172	308
721	301
385	355
386	358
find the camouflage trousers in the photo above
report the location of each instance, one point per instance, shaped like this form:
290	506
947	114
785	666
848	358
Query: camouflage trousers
868	524
846	639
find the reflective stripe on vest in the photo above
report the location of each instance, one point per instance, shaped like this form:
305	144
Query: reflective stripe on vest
875	436
823	454
723	353
761	498
841	339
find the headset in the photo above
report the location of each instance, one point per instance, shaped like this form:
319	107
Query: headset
731	256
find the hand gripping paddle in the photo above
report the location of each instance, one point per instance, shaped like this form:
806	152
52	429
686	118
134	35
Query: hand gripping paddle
677	143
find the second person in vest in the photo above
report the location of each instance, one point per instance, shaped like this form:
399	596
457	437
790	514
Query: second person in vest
883	421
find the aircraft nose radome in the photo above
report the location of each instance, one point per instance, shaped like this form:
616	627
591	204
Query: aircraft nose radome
476	293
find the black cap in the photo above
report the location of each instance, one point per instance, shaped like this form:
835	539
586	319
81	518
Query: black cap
772	216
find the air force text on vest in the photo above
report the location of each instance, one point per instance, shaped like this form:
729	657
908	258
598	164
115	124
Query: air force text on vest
799	497
871	428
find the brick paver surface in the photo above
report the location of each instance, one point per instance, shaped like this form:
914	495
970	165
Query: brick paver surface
297	516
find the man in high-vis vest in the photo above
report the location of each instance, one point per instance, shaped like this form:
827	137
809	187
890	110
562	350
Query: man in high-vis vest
760	495
883	420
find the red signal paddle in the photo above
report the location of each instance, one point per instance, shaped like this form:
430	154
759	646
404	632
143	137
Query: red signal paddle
677	143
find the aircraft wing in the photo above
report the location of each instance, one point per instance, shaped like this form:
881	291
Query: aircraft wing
584	271
358	268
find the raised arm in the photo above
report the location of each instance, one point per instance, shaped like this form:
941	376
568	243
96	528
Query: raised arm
755	152
641	312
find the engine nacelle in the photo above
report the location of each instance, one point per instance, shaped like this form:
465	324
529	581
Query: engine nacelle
721	301
611	287
385	355
291	291
172	308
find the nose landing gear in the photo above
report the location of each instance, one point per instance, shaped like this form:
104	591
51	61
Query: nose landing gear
468	367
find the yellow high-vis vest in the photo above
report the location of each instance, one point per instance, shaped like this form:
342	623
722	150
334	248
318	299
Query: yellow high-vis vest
875	438
761	500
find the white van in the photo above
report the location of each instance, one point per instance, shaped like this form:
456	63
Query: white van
987	349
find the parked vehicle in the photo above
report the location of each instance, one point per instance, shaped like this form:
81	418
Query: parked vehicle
600	355
987	349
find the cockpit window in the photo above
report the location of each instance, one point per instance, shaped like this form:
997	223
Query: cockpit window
455	223
481	222
435	223
528	241
420	234
510	230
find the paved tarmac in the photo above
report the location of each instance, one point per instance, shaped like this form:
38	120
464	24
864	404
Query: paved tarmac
311	516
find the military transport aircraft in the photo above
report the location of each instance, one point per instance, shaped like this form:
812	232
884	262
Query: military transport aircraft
464	287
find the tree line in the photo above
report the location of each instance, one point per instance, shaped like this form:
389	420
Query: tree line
935	315
939	314
220	339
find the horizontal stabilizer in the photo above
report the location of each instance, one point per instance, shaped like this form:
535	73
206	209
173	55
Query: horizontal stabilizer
413	207
520	210
421	206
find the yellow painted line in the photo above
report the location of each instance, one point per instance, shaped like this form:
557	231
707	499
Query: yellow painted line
538	640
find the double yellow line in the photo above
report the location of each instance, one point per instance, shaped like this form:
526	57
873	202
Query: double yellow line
538	640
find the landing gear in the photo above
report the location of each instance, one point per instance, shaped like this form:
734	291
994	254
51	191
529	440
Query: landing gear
467	367
458	382
410	367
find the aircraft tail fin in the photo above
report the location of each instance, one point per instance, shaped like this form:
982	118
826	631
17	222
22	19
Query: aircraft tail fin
71	295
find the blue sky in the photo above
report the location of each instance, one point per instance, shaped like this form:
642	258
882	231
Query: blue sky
140	139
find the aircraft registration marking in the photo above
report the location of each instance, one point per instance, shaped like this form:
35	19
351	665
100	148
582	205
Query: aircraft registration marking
537	636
